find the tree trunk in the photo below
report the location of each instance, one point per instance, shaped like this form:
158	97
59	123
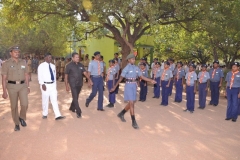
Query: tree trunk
125	52
215	55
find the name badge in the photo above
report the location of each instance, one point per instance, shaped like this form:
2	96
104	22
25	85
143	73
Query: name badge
80	68
130	71
22	67
216	72
237	76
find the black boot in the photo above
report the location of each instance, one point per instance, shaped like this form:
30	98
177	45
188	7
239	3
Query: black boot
134	123
121	115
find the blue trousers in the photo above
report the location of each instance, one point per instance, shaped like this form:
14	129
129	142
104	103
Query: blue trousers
238	106
97	87
165	92
157	88
112	95
190	98
202	94
170	88
214	87
179	90
143	90
232	103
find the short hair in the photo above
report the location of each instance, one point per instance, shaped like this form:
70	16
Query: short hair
116	59
74	53
47	54
101	57
116	53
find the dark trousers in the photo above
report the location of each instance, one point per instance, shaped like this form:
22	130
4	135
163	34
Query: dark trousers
238	106
75	95
117	88
190	98
232	103
112	95
202	94
157	88
143	90
214	87
165	92
97	87
170	88
179	90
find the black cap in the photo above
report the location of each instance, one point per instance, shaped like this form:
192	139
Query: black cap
96	53
180	62
192	65
204	65
144	64
14	48
235	63
157	63
216	62
48	54
170	59
167	63
111	61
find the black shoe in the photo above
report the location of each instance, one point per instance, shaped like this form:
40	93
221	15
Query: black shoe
86	104
121	116
60	117
72	110
23	123
139	100
200	107
234	120
100	109
79	115
215	105
44	117
153	97
134	124
227	119
110	105
17	128
143	100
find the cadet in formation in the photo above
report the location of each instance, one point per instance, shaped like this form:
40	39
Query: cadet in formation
156	77
130	73
143	83
179	75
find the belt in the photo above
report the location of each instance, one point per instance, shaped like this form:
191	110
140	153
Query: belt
214	81
16	82
48	82
95	76
131	80
203	83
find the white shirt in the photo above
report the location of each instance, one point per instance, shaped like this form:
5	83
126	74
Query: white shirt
44	74
162	65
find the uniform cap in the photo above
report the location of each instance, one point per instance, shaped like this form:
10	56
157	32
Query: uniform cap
216	62
157	63
236	63
167	63
111	61
192	65
144	64
180	62
204	65
131	55
96	53
14	48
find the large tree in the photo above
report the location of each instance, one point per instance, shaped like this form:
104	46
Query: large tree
124	21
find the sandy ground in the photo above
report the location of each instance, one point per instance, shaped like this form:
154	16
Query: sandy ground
165	132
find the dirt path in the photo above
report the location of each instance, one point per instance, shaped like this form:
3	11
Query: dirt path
165	132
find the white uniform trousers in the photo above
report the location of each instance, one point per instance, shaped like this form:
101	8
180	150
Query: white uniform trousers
51	92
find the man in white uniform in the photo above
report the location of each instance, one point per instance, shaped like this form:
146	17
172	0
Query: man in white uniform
47	81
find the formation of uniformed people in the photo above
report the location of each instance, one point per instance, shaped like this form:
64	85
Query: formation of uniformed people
164	75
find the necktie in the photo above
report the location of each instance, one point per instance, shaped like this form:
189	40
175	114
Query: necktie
155	71
178	74
51	72
108	74
232	78
162	78
99	67
213	73
201	78
189	78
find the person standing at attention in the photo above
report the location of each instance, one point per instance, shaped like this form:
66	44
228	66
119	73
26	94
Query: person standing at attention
157	78
15	84
47	81
216	78
233	93
131	73
203	79
110	80
179	75
95	71
74	78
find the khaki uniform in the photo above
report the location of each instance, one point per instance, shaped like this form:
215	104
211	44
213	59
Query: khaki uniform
29	64
62	66
15	72
86	63
58	66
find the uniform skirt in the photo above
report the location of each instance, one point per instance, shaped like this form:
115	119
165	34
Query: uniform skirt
130	92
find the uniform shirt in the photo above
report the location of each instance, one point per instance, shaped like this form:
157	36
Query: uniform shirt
162	65
144	72
75	73
44	74
204	78
62	64
157	71
131	71
86	62
15	71
190	80
111	72
117	67
172	67
93	68
236	81
186	68
179	73
217	76
166	75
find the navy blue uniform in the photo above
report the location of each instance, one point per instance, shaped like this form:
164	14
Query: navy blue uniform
233	86
165	76
190	77
179	74
143	86
215	77
172	67
110	84
203	78
157	78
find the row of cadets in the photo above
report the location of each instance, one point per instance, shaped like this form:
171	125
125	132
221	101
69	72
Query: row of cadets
179	75
153	65
110	80
143	83
156	77
172	67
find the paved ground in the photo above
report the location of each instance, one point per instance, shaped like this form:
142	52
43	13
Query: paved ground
165	132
